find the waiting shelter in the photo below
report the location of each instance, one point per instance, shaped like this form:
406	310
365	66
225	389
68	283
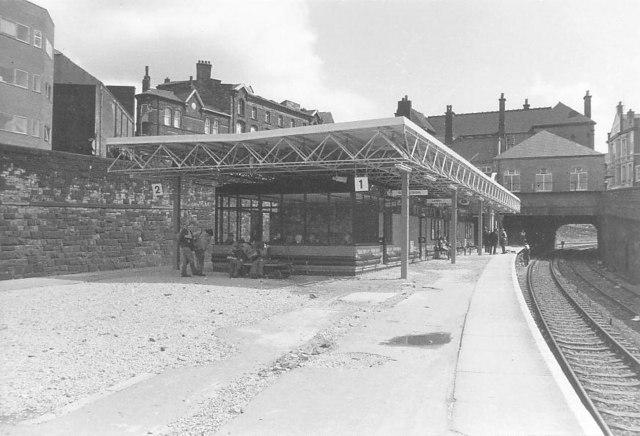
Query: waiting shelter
333	198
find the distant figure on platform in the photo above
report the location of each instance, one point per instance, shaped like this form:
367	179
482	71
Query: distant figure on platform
493	241
526	253
523	237
486	240
562	245
186	243
202	243
503	240
298	239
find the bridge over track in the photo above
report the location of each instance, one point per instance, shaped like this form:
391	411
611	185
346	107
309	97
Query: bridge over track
615	214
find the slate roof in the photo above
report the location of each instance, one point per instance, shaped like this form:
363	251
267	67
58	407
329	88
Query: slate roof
516	121
168	95
421	120
546	144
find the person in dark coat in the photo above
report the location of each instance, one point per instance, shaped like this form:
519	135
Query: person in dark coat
493	239
503	240
186	242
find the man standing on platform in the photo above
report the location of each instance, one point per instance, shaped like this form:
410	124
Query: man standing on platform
202	241
187	246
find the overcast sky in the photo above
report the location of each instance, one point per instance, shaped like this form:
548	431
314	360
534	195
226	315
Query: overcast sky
358	58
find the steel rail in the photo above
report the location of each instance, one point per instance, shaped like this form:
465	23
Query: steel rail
566	366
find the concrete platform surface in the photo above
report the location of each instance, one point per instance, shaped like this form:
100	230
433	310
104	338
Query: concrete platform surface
457	357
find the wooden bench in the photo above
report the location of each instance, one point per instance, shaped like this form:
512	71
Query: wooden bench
270	268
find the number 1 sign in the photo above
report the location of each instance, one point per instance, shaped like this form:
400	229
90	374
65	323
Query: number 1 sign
362	183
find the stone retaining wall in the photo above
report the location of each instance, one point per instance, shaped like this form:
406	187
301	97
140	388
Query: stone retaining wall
62	213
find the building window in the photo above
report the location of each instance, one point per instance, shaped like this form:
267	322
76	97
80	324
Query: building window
280	121
48	47
486	169
292	123
267	117
37	38
578	179
20	125
638	173
511	180
8	27
34	128
167	116
47	90
6	75
37	83
176	119
253	129
22	79
254	112
22	33
239	127
544	180
624	147
241	107
207	125
215	127
47	133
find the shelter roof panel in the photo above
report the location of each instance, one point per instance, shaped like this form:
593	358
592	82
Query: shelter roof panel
380	149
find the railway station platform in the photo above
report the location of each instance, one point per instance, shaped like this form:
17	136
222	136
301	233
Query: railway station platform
479	367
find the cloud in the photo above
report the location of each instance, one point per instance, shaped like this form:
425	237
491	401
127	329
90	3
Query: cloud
267	44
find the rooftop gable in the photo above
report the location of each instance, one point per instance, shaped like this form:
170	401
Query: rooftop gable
546	144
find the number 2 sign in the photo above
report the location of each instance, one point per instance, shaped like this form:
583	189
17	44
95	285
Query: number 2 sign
156	188
362	183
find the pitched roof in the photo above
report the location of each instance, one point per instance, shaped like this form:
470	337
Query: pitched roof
516	121
326	117
168	95
546	144
421	119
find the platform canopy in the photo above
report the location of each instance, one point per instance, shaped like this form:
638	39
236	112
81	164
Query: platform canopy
381	149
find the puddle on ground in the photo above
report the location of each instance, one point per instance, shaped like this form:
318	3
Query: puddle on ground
425	340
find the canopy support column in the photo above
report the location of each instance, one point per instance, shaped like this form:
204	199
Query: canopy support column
404	218
480	227
453	228
177	187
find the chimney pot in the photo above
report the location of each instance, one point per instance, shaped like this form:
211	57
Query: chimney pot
404	108
526	104
146	80
167	80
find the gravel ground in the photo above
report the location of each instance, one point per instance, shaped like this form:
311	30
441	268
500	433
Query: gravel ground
59	344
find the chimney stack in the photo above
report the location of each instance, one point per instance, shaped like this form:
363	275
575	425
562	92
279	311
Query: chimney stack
587	105
146	80
448	126
404	108
167	80
526	106
630	117
501	129
620	109
203	70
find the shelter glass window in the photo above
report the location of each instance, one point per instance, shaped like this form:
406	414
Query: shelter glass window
241	107
292	123
239	127
207	125
280	121
638	173
254	112
215	127
253	129
511	180
544	180
267	117
578	179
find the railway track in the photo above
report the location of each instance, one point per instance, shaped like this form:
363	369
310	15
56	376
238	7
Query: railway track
598	361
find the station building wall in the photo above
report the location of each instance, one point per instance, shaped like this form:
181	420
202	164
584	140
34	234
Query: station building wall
62	213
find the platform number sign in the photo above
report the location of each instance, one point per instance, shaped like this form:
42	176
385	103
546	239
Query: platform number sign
156	189
362	183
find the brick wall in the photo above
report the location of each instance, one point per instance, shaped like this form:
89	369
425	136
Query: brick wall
620	231
62	213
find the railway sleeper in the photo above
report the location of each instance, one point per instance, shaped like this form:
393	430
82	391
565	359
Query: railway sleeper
624	427
619	383
614	401
595	357
586	348
620	413
625	374
578	343
610	365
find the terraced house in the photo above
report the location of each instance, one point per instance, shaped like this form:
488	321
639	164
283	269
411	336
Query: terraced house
624	147
206	105
26	74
